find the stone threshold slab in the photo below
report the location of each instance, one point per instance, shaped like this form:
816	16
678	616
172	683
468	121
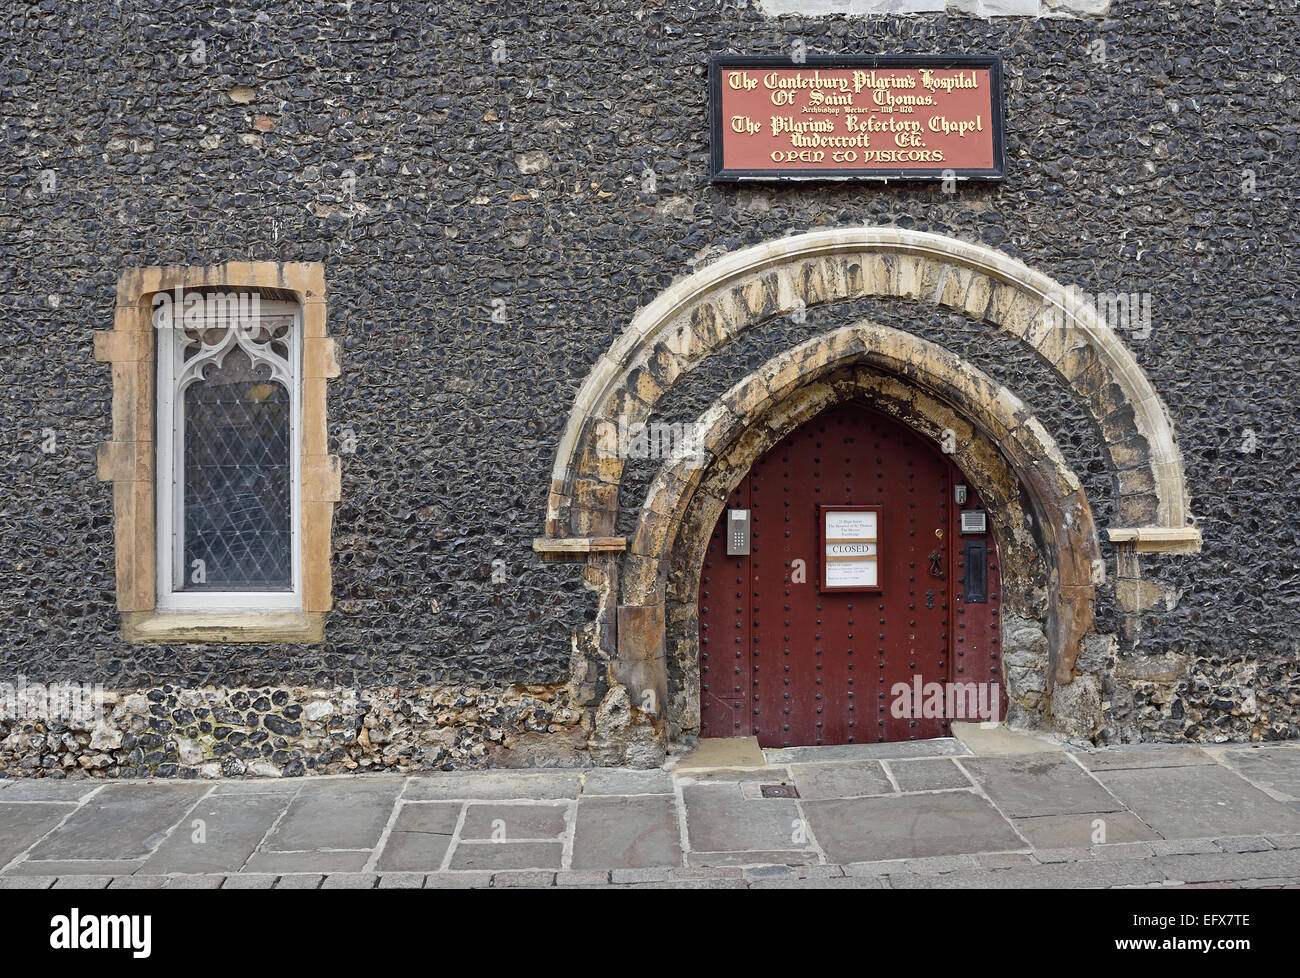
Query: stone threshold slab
900	750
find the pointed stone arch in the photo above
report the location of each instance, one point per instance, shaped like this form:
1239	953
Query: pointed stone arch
700	314
1011	459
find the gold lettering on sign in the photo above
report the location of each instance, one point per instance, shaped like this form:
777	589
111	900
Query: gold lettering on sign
801	118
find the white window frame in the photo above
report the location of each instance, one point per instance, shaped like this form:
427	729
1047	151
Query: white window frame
170	476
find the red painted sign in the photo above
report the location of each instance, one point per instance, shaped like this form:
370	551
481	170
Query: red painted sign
902	118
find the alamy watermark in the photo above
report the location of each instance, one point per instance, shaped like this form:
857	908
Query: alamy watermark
1128	312
678	441
182	309
947	701
75	704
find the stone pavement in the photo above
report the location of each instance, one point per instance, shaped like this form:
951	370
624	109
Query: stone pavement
987	808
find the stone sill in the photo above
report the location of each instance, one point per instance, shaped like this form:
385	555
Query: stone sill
224	626
560	547
1158	539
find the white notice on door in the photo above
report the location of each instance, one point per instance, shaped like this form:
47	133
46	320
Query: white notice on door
841	524
857	573
852	540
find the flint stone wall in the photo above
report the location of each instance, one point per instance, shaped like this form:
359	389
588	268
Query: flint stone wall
439	187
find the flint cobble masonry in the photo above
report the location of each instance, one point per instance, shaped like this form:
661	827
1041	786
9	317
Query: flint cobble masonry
488	229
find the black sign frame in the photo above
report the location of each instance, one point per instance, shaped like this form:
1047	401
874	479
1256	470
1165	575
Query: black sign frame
719	63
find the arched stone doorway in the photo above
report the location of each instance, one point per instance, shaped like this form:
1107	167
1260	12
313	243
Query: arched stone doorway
1038	513
647	580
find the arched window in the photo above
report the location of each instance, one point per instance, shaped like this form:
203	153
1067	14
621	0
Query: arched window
228	459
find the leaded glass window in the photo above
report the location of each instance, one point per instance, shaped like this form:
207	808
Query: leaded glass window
228	419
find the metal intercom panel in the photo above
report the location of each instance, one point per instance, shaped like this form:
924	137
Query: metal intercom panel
737	533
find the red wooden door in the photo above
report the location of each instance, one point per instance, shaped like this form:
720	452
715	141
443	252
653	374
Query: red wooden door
794	664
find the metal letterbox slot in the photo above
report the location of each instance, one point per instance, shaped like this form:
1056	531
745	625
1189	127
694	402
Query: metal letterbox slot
737	533
975	585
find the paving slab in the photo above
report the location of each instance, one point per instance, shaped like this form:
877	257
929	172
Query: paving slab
1039	784
908	827
1063	854
881	867
707	872
46	789
259	786
75	867
1210	867
493	785
582	877
232	827
936	747
401	881
1002	860
1275	769
647	875
837	883
763	775
458	881
701	884
21	825
123	821
768	857
769	871
205	881
816	871
846	779
82	882
720	819
928	775
1138	757
932	865
1245	843
1091	828
513	823
350	881
507	855
300	881
626	833
138	882
1001	740
722	752
526	878
618	781
316	861
1176	847
250	881
26	882
1122	850
1096	873
335	815
420	838
1191	802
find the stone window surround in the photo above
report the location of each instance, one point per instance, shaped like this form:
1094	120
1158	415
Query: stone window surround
127	460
